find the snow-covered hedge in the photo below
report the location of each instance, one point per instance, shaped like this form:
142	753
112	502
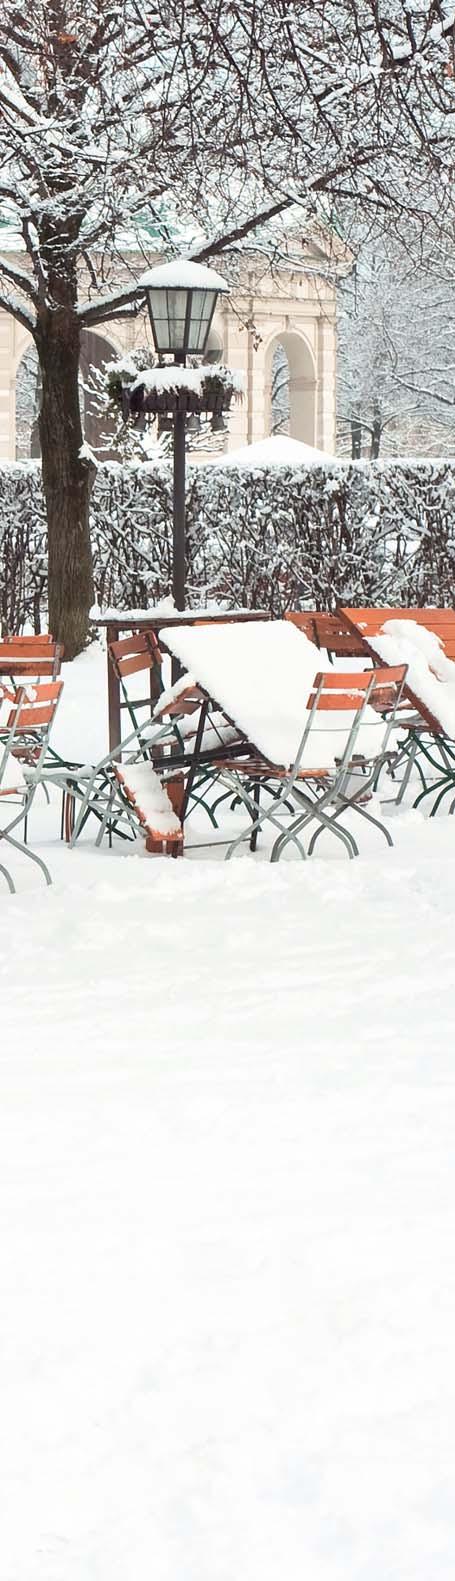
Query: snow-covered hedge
276	538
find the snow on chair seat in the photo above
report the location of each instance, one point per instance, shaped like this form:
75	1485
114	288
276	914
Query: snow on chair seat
152	805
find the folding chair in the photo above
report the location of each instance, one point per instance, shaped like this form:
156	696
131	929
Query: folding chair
320	793
149	805
134	655
24	743
426	744
329	631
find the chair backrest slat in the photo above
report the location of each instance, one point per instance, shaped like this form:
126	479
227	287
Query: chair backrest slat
327	631
30	656
131	654
31	713
347	690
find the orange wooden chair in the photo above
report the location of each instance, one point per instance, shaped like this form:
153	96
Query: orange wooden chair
366	623
138	654
329	631
321	793
24	743
426	745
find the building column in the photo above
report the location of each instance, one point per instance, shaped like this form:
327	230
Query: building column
326	387
7	388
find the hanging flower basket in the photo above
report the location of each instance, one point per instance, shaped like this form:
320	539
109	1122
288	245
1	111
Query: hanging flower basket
161	392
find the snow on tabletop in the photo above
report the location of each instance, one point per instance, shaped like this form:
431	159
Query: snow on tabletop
431	677
167	608
151	797
261	674
185	275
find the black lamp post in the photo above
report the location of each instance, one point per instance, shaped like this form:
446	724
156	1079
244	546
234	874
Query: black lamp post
181	300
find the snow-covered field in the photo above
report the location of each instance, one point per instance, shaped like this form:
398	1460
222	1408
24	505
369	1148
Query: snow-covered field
227	1210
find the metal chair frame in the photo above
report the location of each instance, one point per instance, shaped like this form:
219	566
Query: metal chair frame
16	737
328	793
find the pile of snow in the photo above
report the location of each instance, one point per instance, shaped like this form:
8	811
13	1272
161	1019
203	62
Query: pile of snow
176	378
183	274
431	676
278	450
144	787
165	607
261	674
227	1214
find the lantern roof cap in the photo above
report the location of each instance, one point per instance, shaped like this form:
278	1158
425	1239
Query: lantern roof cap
183	274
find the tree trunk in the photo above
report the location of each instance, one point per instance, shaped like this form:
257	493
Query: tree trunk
67	478
376	434
356	437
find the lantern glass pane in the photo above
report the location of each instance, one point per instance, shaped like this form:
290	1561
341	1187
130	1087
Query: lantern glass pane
168	315
202	304
176	310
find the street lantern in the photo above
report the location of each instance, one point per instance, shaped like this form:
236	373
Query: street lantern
181	299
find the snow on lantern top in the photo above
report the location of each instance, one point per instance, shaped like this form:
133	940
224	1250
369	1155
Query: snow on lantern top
181	299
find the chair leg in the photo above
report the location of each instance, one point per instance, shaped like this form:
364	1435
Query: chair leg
257	803
363	814
288	834
25	849
7	875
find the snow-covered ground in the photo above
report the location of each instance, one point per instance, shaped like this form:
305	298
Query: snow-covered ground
227	1209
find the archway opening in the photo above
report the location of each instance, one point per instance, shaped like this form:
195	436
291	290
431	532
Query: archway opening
291	388
98	425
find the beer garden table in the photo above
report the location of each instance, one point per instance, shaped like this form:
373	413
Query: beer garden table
155	620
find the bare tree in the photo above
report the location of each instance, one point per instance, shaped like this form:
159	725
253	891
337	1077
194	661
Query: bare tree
234	111
396	358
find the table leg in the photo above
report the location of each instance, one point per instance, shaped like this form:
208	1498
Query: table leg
113	694
195	759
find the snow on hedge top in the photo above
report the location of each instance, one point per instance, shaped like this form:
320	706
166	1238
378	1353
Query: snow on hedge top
175	377
261	675
431	676
182	274
276	451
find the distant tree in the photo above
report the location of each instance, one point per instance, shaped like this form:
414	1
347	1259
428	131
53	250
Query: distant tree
396	361
280	403
231	111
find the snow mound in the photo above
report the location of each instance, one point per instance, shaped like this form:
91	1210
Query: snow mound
275	451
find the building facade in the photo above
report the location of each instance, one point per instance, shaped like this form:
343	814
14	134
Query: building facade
292	307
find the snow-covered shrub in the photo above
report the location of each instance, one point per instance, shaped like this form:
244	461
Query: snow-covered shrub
278	538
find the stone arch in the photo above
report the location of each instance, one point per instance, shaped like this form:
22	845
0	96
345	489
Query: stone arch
95	350
302	384
214	347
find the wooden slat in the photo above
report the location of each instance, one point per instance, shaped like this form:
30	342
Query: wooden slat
347	690
30	641
140	661
19	667
327	631
139	642
30	715
31	718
